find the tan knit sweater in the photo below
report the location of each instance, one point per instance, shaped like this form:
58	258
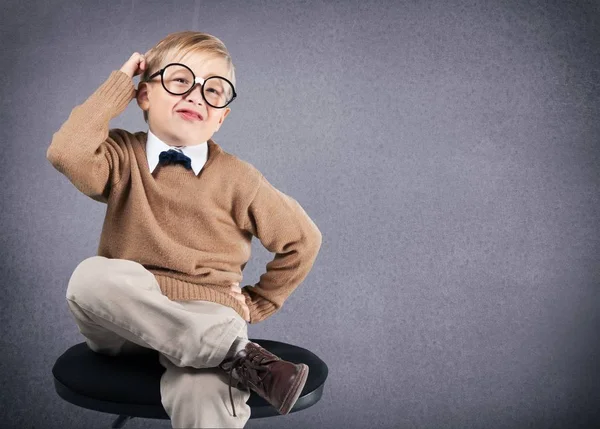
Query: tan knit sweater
192	232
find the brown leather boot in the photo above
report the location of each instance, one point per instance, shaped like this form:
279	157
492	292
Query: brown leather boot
278	381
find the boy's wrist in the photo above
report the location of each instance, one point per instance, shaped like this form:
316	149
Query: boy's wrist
128	75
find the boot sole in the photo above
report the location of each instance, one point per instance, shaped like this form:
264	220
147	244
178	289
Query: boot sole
295	391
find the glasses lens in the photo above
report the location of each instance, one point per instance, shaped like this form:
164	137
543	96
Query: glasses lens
217	91
178	80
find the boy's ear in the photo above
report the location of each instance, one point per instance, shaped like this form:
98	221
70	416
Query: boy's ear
223	116
142	96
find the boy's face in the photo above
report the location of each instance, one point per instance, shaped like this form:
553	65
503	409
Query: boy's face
164	121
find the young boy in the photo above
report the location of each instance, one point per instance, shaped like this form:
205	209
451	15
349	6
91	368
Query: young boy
181	213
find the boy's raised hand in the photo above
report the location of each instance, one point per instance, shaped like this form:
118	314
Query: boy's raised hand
135	65
236	292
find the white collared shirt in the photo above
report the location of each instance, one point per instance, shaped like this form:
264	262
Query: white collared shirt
197	153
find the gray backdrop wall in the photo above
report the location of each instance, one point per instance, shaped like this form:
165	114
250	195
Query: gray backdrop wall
448	152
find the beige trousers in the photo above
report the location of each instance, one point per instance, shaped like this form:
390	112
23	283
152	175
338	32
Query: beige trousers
119	308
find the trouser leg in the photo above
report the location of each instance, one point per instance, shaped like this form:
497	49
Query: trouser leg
199	398
114	300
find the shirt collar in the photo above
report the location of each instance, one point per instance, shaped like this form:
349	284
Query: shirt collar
154	146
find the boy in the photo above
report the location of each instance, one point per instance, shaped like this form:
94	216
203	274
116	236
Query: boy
181	213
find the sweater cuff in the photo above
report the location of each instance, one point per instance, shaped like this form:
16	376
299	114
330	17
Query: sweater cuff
115	93
260	308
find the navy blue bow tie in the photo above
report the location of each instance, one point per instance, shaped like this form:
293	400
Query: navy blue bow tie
173	156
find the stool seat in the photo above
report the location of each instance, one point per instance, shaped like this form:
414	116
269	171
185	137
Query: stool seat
129	385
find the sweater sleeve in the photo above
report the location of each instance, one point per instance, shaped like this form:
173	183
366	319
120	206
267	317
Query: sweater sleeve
84	150
284	228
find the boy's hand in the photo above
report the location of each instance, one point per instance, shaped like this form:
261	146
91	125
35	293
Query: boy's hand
236	292
135	65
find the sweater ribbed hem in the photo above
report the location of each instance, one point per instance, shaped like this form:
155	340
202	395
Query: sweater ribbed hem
179	290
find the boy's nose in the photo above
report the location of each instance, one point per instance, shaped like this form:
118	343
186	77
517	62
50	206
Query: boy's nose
196	93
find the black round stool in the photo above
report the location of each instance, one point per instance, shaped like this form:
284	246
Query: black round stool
129	385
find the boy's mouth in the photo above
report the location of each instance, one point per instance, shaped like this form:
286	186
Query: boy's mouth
190	114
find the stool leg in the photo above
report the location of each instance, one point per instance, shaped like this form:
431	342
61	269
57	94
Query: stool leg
120	421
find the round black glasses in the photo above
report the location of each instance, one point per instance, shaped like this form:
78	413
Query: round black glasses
179	79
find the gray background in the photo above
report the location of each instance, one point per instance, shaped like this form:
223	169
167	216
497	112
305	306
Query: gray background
448	152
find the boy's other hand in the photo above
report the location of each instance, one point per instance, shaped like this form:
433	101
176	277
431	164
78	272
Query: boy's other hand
135	65
236	292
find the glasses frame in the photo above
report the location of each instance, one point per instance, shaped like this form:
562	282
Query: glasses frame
197	80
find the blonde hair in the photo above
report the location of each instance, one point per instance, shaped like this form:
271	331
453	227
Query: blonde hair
182	43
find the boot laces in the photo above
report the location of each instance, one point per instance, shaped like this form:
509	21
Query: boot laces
247	366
